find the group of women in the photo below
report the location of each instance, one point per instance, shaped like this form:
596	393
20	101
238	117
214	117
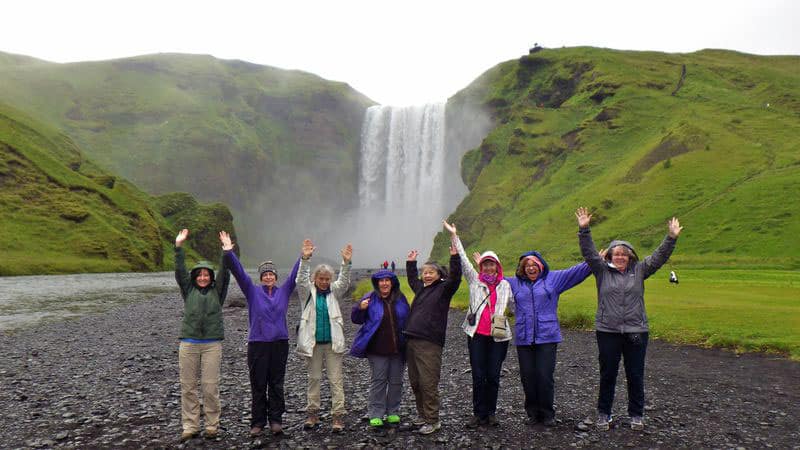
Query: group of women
395	334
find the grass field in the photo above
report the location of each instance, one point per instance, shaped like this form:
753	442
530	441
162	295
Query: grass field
741	310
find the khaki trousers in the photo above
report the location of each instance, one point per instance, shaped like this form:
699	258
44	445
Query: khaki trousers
199	362
333	365
424	366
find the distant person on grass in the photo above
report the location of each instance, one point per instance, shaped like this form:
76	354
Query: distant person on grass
486	328
268	339
320	336
425	333
621	322
200	350
382	314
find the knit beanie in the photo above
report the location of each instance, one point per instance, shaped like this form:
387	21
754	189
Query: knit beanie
267	266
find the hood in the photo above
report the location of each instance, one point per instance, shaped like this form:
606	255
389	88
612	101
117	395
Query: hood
616	243
541	258
202	265
491	256
381	274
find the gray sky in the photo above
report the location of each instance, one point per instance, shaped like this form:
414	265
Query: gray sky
401	52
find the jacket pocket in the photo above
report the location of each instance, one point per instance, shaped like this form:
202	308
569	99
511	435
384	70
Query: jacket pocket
547	327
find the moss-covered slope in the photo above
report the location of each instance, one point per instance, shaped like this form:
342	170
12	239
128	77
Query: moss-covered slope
60	213
259	139
710	137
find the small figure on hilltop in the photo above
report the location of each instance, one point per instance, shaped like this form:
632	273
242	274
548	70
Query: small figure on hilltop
535	48
673	278
621	322
200	349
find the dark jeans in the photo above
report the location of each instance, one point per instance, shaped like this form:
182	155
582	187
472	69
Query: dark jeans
267	364
537	363
486	358
632	347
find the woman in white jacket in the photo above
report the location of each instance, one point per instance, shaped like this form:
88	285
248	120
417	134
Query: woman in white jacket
487	329
320	335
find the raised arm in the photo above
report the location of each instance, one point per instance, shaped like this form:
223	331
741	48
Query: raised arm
181	274
223	279
566	279
412	275
454	277
588	250
232	262
342	283
659	257
469	271
303	278
291	280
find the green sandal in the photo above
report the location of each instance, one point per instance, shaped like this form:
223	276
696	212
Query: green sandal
394	419
376	422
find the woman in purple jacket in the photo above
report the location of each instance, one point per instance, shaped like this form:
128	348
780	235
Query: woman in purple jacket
268	341
537	332
382	313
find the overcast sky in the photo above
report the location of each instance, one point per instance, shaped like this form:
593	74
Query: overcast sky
400	52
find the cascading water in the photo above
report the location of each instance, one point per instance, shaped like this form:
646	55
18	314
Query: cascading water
402	176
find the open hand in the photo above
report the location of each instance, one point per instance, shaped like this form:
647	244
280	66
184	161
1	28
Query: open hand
181	237
225	238
308	248
347	253
449	227
583	217
674	228
476	256
412	255
364	304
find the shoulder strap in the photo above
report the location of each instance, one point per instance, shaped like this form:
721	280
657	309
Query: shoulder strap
481	303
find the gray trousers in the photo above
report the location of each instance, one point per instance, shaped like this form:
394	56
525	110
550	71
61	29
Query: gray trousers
386	386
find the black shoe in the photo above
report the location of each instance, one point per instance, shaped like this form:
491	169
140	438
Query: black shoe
492	421
549	422
473	422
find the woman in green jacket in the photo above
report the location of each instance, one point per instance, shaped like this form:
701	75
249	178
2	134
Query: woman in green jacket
201	337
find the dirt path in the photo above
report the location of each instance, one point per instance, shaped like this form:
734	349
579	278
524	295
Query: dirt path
111	380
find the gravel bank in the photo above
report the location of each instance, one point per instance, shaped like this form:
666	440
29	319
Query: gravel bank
111	381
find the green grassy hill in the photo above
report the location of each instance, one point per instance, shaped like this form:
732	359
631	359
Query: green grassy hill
60	213
262	140
625	134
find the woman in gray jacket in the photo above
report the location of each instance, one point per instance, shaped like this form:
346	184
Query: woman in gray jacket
621	321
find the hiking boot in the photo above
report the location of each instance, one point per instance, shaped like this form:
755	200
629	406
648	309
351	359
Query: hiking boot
637	423
429	428
603	421
549	422
255	431
473	422
492	421
211	433
376	422
338	424
186	435
393	419
311	421
276	428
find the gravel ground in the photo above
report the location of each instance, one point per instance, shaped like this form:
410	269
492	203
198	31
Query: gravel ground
111	381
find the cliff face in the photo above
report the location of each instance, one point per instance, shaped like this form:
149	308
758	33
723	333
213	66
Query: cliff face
639	137
270	143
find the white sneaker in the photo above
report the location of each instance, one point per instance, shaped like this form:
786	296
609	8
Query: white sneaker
429	428
637	423
603	421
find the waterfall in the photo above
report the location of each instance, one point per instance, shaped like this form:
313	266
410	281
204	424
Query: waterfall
402	176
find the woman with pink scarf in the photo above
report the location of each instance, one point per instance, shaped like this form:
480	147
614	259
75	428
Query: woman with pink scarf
487	329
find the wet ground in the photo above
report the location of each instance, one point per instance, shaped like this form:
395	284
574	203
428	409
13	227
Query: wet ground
110	380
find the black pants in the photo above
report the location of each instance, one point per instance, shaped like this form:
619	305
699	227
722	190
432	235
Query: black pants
537	363
267	364
486	359
632	347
